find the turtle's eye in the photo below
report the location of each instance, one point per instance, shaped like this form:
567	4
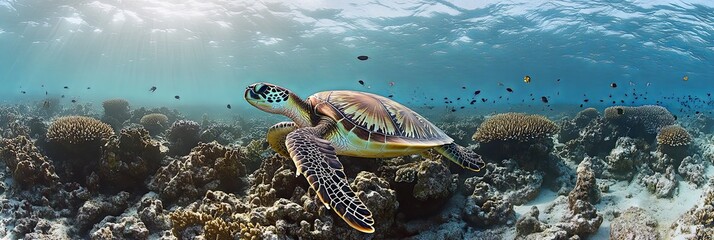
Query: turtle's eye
259	88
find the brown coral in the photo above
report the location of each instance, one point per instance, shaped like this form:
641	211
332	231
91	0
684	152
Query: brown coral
129	158
514	126
209	166
585	116
674	135
649	117
155	123
218	214
116	107
76	130
27	165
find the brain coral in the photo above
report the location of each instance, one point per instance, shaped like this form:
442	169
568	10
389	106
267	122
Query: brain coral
514	126
154	122
651	117
673	135
78	130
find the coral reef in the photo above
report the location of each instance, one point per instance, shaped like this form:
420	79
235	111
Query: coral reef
128	159
584	117
74	144
586	188
642	120
155	123
625	157
209	166
77	130
662	185
698	222
422	187
95	209
485	207
460	128
514	126
634	223
674	136
674	141
692	169
516	186
116	111
26	164
182	136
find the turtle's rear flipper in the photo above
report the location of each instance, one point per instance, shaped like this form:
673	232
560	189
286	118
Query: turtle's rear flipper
315	158
461	156
276	137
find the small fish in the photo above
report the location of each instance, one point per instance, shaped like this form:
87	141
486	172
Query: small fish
177	97
228	106
509	89
62	96
586	100
500	84
613	85
152	89
544	99
581	105
463	87
477	92
65	87
390	96
23	92
391	84
74	101
362	57
649	83
45	92
361	82
527	79
558	80
89	88
620	111
685	78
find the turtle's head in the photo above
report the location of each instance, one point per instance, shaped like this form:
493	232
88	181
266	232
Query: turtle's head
268	97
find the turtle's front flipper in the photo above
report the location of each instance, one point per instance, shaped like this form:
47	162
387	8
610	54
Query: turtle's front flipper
461	156
277	134
315	158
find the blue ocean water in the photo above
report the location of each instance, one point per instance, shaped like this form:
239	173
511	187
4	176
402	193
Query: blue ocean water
208	51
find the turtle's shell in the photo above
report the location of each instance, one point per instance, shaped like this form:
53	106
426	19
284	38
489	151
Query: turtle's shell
377	119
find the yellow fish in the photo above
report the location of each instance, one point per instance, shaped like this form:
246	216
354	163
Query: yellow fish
527	79
685	78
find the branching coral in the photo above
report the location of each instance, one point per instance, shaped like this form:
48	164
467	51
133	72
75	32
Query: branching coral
155	123
514	126
76	130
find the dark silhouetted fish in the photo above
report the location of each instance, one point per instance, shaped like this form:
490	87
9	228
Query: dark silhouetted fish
65	87
391	96
74	101
228	106
89	88
23	92
477	92
362	58
509	89
544	99
152	89
613	85
361	82
177	97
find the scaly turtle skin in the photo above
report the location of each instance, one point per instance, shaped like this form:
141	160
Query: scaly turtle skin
348	123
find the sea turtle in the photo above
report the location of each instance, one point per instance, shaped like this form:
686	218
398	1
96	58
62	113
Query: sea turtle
348	123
